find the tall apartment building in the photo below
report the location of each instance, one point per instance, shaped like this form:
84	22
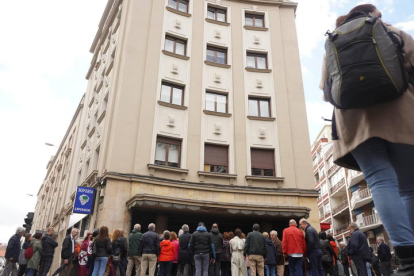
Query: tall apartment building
344	196
194	111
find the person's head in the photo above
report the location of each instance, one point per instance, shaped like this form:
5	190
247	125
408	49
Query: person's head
201	224
364	8
151	227
380	240
116	234
330	238
215	226
20	231
231	235
103	233
50	231
322	235
173	236
180	232
95	232
226	236
137	227
37	236
166	235
353	227
75	233
256	227
27	236
238	233
273	235
185	228
266	235
243	235
303	223
342	245
88	236
292	222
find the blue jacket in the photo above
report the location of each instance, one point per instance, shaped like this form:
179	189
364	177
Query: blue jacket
358	246
271	255
13	248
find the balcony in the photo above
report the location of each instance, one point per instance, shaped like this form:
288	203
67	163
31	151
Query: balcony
361	198
338	185
341	229
341	206
332	169
370	222
329	152
354	177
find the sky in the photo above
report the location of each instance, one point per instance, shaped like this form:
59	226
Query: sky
44	57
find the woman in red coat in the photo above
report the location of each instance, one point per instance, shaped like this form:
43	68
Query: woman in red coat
166	255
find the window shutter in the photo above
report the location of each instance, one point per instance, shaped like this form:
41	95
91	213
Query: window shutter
167	140
263	159
216	155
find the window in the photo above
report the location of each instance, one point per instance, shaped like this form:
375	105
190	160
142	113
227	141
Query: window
167	152
171	93
216	102
216	14
175	45
324	189
258	61
259	107
216	158
255	20
217	55
263	162
180	5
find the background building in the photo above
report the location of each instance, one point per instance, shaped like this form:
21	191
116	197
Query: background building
344	196
194	111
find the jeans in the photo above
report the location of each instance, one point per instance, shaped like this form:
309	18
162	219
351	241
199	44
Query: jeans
360	265
121	266
295	266
45	265
368	266
328	268
315	259
165	268
214	269
22	270
99	266
201	264
270	270
31	272
184	269
388	170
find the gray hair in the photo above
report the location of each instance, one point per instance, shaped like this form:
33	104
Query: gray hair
20	230
380	238
185	228
341	243
180	232
273	232
304	221
137	226
75	229
151	226
50	228
354	225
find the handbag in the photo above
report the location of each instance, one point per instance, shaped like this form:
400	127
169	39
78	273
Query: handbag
94	249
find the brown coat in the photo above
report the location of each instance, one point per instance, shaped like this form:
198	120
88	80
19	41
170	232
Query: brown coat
391	121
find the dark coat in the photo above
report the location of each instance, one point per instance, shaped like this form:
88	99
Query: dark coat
67	252
358	246
150	244
312	239
271	253
13	248
217	240
225	252
48	247
255	244
201	242
134	241
119	247
278	245
103	248
327	251
184	255
384	252
344	256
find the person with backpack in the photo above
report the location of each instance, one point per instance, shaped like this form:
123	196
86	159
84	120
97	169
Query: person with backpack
367	75
328	255
22	259
35	250
48	250
118	249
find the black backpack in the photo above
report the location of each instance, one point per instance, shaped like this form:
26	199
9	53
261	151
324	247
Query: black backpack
365	62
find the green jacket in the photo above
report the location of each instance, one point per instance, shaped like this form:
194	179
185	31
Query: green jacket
134	241
37	254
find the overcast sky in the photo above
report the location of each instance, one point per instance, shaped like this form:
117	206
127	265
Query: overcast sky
44	57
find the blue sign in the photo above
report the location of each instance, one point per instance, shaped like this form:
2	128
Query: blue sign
84	200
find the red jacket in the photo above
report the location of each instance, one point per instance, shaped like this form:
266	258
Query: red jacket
167	251
293	241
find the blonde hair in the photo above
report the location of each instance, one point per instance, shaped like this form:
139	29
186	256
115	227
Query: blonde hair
266	235
173	236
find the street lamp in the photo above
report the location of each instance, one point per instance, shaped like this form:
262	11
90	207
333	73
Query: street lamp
50	145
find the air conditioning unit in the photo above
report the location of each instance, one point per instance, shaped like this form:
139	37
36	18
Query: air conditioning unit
370	235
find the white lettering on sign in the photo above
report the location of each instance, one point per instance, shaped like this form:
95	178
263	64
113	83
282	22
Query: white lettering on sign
82	190
82	210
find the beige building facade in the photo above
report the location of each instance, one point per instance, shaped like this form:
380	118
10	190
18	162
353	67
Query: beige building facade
194	111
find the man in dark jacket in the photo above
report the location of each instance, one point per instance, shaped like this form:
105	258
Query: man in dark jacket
68	249
184	256
280	259
270	260
13	252
328	255
384	256
149	249
358	249
313	248
217	240
255	248
202	248
343	255
133	257
48	250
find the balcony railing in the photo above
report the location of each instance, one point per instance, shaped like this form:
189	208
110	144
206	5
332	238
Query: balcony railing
342	228
370	220
340	207
338	185
328	152
360	195
332	169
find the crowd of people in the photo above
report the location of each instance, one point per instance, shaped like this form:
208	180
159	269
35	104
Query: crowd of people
203	253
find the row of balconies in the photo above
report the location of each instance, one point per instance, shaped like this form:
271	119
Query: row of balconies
340	207
338	185
361	198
